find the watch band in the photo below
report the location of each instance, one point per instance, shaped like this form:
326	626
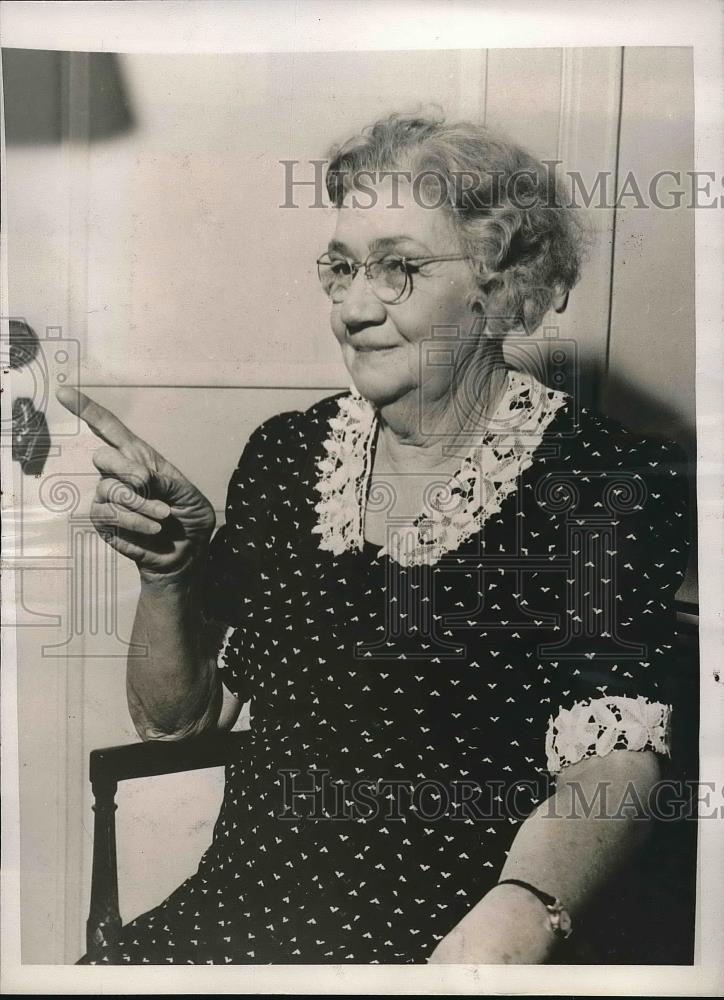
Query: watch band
559	916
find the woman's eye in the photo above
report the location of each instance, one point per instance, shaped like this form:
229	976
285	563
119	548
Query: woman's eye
396	265
340	267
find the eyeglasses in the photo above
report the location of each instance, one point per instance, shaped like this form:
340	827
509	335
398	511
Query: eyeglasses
390	276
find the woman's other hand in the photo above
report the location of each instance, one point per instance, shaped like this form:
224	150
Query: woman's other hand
143	506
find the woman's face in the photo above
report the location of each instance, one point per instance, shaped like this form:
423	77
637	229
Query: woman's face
384	346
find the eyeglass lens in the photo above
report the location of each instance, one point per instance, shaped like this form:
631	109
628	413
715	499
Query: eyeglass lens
387	275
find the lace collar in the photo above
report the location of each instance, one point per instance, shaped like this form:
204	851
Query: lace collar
487	475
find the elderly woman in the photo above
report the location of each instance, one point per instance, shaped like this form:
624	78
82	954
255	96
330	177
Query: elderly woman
446	592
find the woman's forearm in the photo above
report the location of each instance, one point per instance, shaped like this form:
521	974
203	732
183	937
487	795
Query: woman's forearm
563	849
574	842
173	686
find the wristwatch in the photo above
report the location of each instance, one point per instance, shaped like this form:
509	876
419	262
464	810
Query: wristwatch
560	918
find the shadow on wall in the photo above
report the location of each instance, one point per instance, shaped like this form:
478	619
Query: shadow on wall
38	90
624	401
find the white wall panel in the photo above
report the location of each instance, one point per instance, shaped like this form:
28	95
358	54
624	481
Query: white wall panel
650	383
523	97
587	149
198	275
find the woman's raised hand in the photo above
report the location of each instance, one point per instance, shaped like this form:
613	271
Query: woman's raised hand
143	506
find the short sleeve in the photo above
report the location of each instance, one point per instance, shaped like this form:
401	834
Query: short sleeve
607	678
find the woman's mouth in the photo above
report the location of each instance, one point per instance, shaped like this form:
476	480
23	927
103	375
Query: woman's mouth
369	348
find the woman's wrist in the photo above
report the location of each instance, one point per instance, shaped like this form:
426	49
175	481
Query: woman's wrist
520	908
509	926
181	581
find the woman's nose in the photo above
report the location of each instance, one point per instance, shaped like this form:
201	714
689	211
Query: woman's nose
360	306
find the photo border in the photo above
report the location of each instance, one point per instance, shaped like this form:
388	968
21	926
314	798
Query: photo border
213	26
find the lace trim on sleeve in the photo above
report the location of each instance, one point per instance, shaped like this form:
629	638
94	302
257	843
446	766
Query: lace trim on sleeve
596	727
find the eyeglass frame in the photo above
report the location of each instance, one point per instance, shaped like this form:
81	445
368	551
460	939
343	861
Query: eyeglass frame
356	266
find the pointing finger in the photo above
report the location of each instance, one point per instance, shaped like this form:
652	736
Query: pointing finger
101	421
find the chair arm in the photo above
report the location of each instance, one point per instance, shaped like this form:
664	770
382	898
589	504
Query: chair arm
687	617
110	765
153	757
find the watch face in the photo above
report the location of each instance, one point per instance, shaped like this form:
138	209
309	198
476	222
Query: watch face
563	921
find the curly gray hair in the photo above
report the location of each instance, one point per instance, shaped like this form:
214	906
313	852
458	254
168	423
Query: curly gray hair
524	240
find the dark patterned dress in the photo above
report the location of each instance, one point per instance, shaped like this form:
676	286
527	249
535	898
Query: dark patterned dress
412	704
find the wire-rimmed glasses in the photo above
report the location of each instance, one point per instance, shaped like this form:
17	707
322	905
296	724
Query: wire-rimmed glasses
390	275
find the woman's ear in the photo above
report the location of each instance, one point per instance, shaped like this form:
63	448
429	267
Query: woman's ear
479	326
